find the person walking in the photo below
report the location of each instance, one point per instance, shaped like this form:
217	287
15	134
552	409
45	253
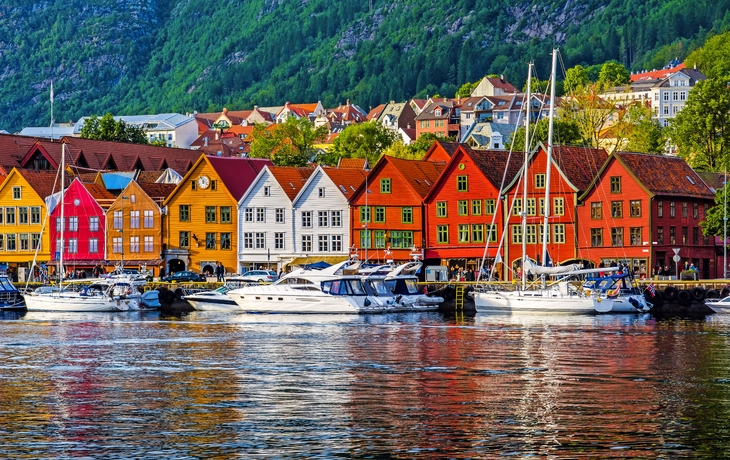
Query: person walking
219	272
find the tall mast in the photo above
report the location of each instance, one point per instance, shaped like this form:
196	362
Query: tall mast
724	228
63	215
546	210
524	175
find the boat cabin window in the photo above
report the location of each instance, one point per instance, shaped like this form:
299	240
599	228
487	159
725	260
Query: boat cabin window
412	286
343	287
380	287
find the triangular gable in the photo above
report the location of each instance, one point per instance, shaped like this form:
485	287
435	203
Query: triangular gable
36	152
110	164
264	173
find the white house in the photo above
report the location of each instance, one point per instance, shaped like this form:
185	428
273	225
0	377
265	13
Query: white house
322	213
175	129
266	218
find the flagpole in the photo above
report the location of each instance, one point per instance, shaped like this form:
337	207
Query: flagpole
51	110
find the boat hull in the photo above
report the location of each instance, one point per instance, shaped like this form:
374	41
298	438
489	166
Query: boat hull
275	299
212	302
78	303
720	306
518	302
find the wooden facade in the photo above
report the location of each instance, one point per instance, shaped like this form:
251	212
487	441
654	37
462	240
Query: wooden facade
134	229
22	213
202	214
632	216
387	212
465	204
571	172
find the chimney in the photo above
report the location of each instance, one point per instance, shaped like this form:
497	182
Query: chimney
348	102
205	142
225	110
501	77
256	107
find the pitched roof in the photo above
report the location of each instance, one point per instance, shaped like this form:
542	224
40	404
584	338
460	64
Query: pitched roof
237	174
290	178
656	74
492	163
352	163
714	180
578	164
99	193
419	174
148	176
12	150
157	191
375	113
502	84
41	181
665	175
346	180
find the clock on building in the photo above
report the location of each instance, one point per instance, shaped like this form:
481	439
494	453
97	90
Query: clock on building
203	182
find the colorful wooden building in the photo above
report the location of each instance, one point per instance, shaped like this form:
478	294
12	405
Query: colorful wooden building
639	208
202	214
84	236
571	171
387	212
22	218
464	215
134	226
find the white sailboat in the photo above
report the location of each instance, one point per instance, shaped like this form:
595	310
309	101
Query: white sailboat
561	296
109	295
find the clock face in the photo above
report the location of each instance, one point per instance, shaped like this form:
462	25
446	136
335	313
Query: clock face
203	182
77	202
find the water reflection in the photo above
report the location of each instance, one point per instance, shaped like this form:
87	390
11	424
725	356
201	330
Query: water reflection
404	385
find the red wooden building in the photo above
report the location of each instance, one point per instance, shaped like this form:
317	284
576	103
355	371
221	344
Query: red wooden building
84	237
639	208
388	220
571	172
465	204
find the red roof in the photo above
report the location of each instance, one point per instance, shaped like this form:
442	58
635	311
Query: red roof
352	163
13	149
579	164
656	74
157	191
237	174
346	180
492	163
375	113
665	175
290	178
41	181
502	84
420	175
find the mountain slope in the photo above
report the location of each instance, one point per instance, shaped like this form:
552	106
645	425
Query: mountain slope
147	56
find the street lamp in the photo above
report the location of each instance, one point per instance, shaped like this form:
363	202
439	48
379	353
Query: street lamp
122	232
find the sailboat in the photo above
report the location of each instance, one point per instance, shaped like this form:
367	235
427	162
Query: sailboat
561	296
99	295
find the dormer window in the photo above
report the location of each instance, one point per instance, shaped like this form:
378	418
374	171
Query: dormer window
437	112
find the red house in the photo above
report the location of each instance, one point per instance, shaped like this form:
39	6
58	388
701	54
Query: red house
642	206
441	151
464	205
572	170
439	117
84	237
386	222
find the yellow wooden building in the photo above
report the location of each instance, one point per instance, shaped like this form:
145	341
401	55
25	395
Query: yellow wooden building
134	226
22	215
201	220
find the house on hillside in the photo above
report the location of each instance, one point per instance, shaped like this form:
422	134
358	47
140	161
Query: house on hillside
175	129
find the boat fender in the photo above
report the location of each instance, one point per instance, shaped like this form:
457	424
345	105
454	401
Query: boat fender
712	294
684	297
367	302
698	293
634	302
398	298
725	292
670	293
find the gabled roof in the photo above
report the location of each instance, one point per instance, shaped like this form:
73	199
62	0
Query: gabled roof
237	174
502	84
41	181
347	181
665	175
714	180
441	147
420	175
290	178
353	163
99	193
578	165
12	150
374	114
656	74
158	192
491	163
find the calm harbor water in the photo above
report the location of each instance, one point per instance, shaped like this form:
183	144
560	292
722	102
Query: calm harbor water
403	385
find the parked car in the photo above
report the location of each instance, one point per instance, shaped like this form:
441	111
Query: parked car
184	277
259	276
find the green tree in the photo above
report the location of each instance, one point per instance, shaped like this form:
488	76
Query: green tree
701	131
714	222
466	89
287	144
645	134
420	146
588	111
613	74
567	132
713	59
108	129
576	78
364	140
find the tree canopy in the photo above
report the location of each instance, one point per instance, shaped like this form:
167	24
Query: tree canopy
712	59
567	132
287	144
108	129
701	131
364	140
